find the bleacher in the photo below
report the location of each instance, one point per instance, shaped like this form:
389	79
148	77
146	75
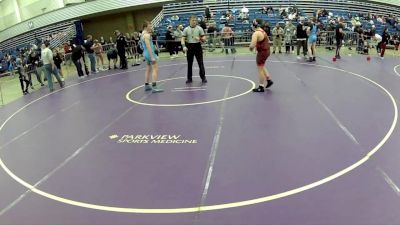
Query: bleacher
67	29
307	8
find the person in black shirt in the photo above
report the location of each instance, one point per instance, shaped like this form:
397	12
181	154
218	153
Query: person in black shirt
88	45
396	39
203	24
57	58
212	32
339	37
76	55
301	38
385	41
112	54
207	13
121	45
170	42
266	28
33	64
22	77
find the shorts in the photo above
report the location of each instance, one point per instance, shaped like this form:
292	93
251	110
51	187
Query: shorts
148	59
112	55
261	57
312	39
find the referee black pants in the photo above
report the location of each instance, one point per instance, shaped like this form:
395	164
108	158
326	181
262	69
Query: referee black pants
123	63
195	50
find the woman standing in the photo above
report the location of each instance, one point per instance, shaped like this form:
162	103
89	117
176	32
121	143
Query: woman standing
98	50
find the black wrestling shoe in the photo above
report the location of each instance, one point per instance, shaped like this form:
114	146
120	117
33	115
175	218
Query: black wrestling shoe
259	89
269	83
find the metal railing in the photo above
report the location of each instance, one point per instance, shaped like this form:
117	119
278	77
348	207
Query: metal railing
156	21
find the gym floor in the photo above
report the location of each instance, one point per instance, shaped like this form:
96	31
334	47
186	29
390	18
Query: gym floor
319	147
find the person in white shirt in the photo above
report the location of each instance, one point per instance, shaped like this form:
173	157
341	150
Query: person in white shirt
49	66
245	10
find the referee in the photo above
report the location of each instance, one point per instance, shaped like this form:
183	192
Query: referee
121	45
194	36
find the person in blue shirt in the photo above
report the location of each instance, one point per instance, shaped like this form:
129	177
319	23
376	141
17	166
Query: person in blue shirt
312	32
150	56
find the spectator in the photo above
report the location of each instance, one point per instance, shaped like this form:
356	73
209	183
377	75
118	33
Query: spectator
212	32
121	45
207	13
284	14
102	41
227	34
170	42
277	34
110	40
49	67
98	50
202	23
88	45
22	76
137	51
270	8
289	34
301	38
175	18
112	54
57	58
245	10
76	56
385	41
33	64
178	37
396	39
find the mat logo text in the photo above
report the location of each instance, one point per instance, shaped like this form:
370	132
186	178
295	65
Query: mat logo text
155	139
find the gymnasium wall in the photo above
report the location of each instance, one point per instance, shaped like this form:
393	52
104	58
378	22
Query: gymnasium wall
125	22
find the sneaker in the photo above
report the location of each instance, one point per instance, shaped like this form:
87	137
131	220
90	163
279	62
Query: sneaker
41	84
269	83
147	87
189	81
259	89
156	89
299	57
204	81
